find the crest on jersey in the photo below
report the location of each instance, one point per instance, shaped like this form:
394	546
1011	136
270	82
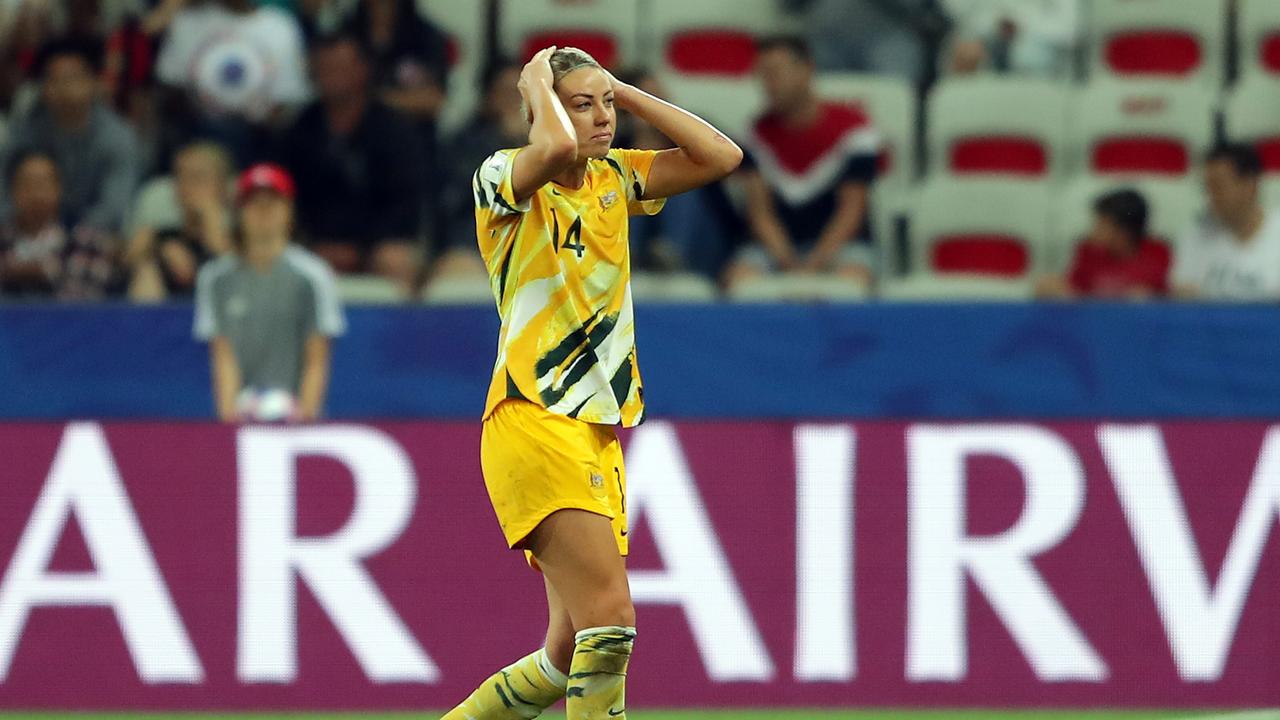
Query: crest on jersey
608	199
597	480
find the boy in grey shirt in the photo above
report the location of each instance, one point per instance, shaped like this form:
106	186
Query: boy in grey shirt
268	311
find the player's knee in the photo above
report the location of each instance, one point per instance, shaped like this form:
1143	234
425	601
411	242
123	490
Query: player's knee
617	609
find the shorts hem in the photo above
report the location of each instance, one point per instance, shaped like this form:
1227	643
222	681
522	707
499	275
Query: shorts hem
523	530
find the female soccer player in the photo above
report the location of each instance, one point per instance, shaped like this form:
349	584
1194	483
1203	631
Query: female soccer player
551	220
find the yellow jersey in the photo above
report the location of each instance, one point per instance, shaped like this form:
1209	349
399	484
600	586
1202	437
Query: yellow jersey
560	270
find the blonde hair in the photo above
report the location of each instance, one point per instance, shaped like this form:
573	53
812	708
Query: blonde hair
563	61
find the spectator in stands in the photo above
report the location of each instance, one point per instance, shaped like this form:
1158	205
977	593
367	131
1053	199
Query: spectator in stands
1014	36
359	168
694	229
1234	252
498	123
409	60
1118	260
165	253
233	70
41	256
96	151
268	311
888	37
809	169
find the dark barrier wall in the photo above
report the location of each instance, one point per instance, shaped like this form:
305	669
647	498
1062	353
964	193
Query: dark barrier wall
713	361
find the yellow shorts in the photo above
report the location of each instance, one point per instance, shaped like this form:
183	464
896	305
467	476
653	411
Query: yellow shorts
536	462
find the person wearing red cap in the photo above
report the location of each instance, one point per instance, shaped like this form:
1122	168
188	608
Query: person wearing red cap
268	311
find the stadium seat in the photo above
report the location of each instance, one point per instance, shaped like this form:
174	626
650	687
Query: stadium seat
993	227
990	125
730	104
1258	36
891	103
1172	207
462	290
368	290
671	288
955	288
604	28
708	37
1251	114
1159	39
798	288
464	21
1130	127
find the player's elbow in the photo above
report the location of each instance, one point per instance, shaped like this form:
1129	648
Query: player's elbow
727	159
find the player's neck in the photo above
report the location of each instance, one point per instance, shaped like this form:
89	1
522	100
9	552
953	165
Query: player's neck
574	177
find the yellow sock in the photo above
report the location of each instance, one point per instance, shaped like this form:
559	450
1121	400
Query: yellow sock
520	691
598	675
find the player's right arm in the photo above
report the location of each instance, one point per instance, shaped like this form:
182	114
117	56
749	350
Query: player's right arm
553	144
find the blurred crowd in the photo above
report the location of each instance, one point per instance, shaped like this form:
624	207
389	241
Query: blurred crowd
124	124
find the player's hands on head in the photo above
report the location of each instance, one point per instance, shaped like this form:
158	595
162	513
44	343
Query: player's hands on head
536	71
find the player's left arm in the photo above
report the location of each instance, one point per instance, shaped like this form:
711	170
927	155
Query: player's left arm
843	227
315	377
703	153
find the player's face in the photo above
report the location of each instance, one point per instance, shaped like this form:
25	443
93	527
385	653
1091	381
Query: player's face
266	217
587	96
1231	196
36	190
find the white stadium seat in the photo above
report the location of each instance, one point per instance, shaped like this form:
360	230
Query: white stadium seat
993	125
992	227
798	288
464	22
461	290
1258	36
925	287
1172	206
368	290
731	104
1251	114
1147	128
1174	39
708	37
676	287
605	28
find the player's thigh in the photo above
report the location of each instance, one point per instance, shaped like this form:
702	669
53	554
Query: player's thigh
578	554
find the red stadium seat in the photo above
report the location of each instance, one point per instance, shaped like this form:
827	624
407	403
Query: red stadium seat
607	29
992	125
600	45
1129	155
981	253
1153	52
1155	128
1154	39
995	227
708	37
1258	35
712	52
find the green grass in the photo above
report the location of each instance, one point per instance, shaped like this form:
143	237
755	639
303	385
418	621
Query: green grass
707	715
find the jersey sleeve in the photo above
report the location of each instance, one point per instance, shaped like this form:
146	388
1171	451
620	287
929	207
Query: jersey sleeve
635	166
492	189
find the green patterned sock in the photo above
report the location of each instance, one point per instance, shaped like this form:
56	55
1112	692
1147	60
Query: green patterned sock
598	675
520	691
